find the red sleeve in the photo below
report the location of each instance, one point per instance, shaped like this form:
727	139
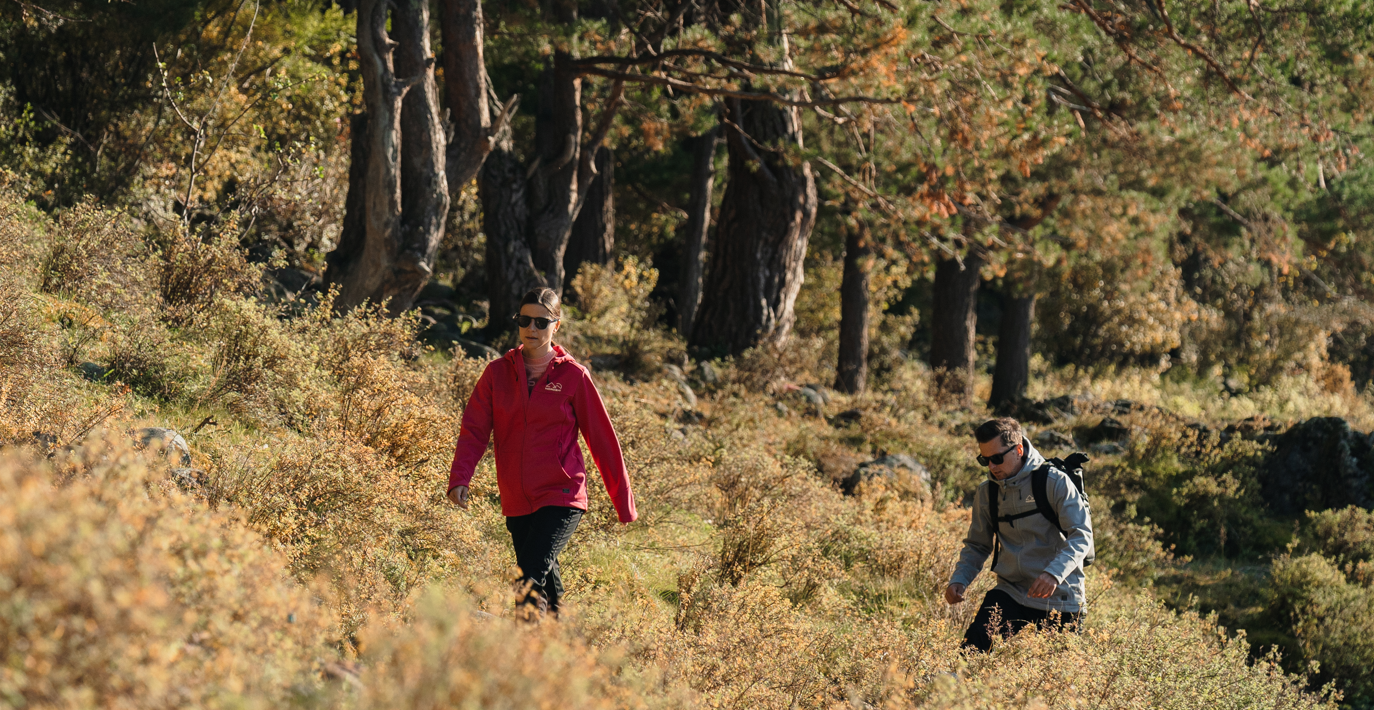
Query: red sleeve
595	425
475	432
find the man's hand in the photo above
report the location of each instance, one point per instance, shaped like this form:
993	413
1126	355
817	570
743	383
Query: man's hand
459	496
954	593
1043	586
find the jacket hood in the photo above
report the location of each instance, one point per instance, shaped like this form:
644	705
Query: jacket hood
1033	461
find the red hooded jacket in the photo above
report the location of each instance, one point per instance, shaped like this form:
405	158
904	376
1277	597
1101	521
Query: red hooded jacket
538	462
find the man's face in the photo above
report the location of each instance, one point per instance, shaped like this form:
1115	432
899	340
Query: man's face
1011	461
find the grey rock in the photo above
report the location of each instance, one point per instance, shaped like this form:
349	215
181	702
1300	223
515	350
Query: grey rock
605	361
885	466
674	373
1051	439
166	441
688	395
706	372
821	391
1107	448
435	292
679	436
1318	464
782	409
191	480
812	396
472	348
847	417
94	372
1108	429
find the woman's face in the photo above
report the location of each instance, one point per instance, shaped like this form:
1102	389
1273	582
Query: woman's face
532	337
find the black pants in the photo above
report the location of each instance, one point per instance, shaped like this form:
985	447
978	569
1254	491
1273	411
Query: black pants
1013	618
538	538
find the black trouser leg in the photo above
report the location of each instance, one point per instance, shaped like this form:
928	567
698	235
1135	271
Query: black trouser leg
1011	619
539	538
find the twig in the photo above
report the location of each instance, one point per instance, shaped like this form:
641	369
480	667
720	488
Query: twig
1173	34
691	88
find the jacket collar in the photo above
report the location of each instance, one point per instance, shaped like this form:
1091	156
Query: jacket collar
518	358
1033	461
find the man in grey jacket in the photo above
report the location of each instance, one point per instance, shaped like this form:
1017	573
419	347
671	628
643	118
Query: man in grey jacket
1039	570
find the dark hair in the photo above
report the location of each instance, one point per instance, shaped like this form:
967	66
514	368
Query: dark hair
543	296
1008	429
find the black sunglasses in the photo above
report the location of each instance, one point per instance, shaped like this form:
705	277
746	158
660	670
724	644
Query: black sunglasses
539	323
995	459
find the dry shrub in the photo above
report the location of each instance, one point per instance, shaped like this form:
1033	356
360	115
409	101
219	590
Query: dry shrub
258	367
615	316
91	253
1136	654
1332	620
121	593
195	270
448	654
337	507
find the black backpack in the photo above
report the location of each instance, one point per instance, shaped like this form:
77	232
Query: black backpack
1073	466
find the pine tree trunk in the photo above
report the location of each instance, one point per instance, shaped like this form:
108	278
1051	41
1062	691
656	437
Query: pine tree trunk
551	195
697	228
398	207
510	266
593	232
953	326
465	89
766	218
851	370
1012	372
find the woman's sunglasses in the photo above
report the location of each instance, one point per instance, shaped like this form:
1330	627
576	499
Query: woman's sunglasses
995	459
539	323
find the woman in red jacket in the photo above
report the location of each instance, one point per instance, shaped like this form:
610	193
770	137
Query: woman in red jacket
536	399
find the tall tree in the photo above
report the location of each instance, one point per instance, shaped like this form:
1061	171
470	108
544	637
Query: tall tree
697	228
851	370
398	193
766	216
953	325
593	232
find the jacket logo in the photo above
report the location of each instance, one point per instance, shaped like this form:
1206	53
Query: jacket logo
554	387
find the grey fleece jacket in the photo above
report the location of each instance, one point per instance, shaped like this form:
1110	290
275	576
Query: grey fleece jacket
1030	545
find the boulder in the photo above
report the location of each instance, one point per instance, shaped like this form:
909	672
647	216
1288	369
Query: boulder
1047	411
166	441
782	409
706	372
1049	439
472	348
847	417
887	467
1318	464
1108	429
812	397
688	396
94	372
820	391
605	361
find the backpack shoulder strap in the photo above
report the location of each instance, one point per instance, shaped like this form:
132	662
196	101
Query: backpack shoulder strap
1040	491
996	525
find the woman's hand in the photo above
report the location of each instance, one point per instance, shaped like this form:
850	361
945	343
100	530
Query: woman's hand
459	496
954	593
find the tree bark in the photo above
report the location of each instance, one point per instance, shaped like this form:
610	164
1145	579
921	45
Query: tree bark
1012	372
851	370
552	193
510	266
953	326
766	218
593	232
697	228
387	248
465	89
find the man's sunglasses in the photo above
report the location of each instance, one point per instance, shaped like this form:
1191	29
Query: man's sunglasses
995	459
539	323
